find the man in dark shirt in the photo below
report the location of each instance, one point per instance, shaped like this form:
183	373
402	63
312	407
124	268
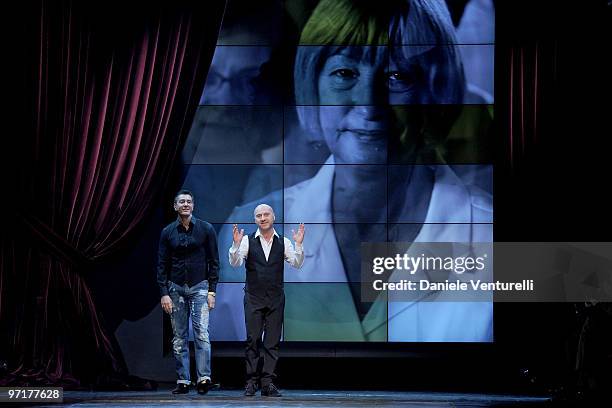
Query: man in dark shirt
187	274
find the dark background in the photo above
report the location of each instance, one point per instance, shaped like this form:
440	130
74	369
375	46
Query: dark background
554	187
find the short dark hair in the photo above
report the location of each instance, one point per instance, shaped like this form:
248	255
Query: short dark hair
185	192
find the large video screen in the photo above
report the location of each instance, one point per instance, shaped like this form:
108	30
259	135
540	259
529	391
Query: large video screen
367	121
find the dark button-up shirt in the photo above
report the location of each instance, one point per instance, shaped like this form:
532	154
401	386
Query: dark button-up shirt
188	256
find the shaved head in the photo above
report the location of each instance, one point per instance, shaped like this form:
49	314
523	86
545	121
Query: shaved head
262	207
264	217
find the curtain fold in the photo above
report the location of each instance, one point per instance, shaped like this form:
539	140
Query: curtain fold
112	91
527	71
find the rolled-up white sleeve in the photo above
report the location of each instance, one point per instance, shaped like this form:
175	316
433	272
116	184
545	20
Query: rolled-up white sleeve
294	257
237	255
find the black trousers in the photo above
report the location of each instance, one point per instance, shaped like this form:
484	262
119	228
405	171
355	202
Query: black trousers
263	316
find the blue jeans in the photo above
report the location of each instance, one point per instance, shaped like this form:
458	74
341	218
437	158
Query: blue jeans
190	301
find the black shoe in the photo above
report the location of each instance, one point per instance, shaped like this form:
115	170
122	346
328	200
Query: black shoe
203	387
249	390
181	389
270	391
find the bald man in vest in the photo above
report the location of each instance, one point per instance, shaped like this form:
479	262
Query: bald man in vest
263	253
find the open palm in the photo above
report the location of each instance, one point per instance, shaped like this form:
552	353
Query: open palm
298	236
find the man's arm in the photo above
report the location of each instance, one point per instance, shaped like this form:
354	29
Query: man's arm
294	257
212	257
163	261
238	253
163	265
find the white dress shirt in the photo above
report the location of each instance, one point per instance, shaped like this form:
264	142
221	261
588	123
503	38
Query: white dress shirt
294	257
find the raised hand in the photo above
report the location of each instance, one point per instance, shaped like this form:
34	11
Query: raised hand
298	236
166	304
238	234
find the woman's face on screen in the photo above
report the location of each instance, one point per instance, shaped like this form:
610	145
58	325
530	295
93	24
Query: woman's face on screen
357	87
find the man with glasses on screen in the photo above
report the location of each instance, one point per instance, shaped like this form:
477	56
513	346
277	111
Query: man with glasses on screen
187	274
263	253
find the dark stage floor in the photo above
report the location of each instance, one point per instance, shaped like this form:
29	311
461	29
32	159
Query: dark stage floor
298	398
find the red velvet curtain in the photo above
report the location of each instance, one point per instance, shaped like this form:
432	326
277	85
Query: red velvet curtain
551	79
530	77
111	91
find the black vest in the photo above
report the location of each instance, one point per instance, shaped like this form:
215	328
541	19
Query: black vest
265	277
